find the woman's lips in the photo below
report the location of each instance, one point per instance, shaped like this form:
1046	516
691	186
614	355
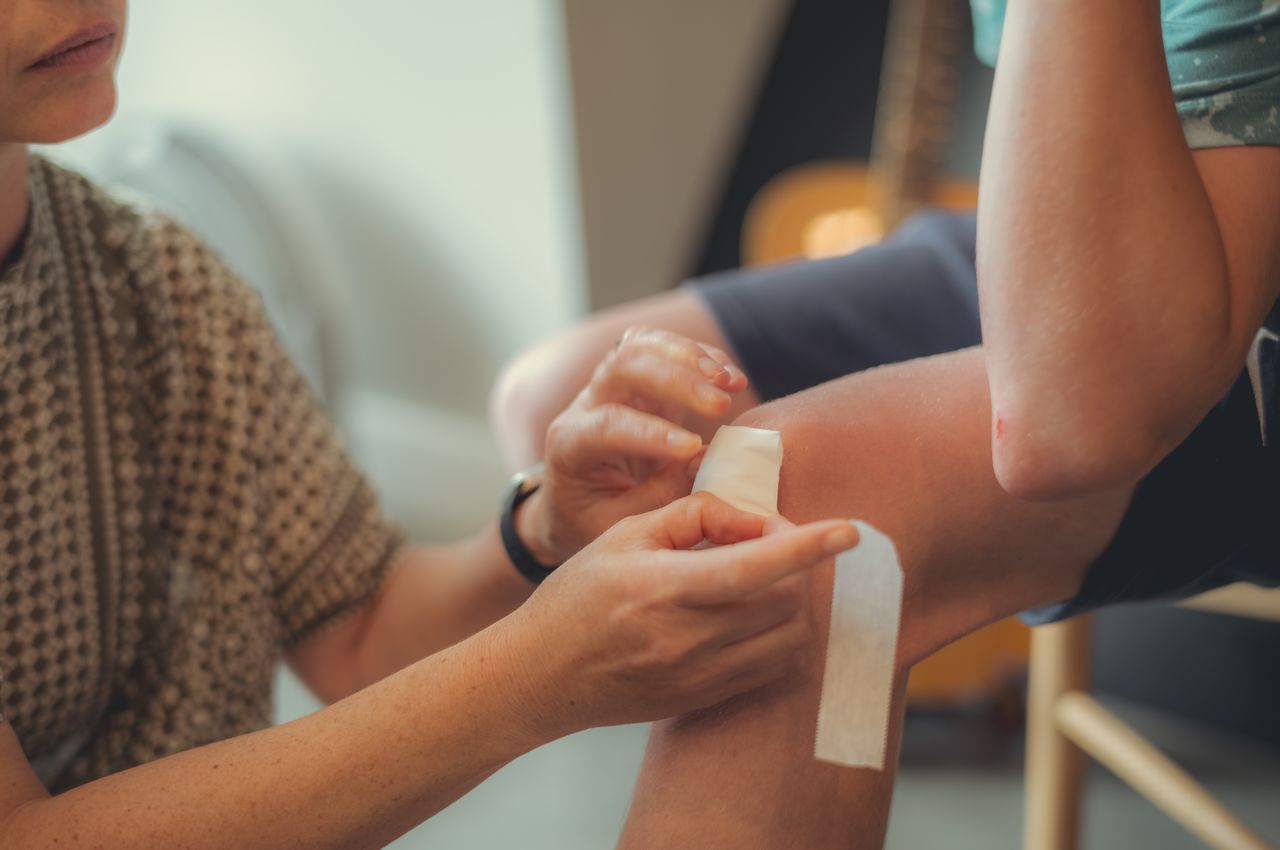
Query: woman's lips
88	47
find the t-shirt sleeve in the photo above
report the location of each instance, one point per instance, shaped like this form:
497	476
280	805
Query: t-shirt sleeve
988	22
1224	61
323	534
318	526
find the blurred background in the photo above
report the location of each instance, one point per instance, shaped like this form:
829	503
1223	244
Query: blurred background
422	188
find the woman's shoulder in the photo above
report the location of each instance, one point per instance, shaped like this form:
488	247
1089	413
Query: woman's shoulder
142	248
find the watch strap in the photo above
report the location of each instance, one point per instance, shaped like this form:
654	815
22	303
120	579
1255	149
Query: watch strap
521	558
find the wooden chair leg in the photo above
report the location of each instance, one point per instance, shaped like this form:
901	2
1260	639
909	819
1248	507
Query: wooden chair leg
1055	766
1153	774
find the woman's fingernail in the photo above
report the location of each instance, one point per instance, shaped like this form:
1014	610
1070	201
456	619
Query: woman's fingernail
694	465
685	441
710	368
711	395
840	539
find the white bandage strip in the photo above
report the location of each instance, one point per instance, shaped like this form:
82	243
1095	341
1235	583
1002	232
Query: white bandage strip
857	683
742	466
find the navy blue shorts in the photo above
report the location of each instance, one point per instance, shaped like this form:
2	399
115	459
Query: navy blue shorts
1208	515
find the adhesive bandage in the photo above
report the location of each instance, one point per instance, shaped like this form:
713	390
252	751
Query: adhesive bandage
742	467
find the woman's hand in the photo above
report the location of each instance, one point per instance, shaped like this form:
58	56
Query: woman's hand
637	627
619	449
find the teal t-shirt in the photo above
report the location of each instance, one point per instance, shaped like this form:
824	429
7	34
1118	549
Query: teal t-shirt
1224	61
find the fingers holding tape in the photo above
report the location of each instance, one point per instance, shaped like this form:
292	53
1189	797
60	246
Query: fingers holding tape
742	466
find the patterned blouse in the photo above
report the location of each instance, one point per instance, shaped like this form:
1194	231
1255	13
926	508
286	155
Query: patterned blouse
175	509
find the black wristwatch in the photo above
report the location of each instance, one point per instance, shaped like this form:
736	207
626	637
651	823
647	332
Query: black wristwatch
523	485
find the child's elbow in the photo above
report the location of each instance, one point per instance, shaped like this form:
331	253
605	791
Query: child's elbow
1051	461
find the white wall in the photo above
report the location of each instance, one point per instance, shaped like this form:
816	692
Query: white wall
661	91
452	117
437	138
440	141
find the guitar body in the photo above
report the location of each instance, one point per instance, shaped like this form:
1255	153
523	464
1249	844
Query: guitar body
825	209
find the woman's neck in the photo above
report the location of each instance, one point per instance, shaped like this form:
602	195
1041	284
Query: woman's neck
13	200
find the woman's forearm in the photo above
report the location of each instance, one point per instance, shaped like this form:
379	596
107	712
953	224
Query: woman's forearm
354	775
1106	301
434	597
631	629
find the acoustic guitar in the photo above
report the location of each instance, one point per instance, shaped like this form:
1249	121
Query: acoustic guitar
829	208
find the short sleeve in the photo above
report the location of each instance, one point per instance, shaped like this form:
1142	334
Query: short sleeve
1224	62
323	534
316	521
988	22
328	543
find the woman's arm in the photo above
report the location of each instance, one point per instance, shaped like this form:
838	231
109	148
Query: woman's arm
628	630
1122	276
356	774
434	597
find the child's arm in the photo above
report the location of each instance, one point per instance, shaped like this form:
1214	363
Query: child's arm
1122	275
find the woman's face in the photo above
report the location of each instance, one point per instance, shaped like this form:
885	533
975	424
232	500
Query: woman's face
57	67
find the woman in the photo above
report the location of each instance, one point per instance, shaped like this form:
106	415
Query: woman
175	513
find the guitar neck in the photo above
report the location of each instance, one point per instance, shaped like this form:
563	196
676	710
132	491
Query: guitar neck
914	107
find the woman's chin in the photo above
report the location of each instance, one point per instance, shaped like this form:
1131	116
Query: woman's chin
71	115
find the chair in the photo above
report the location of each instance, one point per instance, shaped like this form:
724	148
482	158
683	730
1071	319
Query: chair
1065	722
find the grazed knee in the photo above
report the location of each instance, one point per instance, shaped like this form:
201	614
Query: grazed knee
861	469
